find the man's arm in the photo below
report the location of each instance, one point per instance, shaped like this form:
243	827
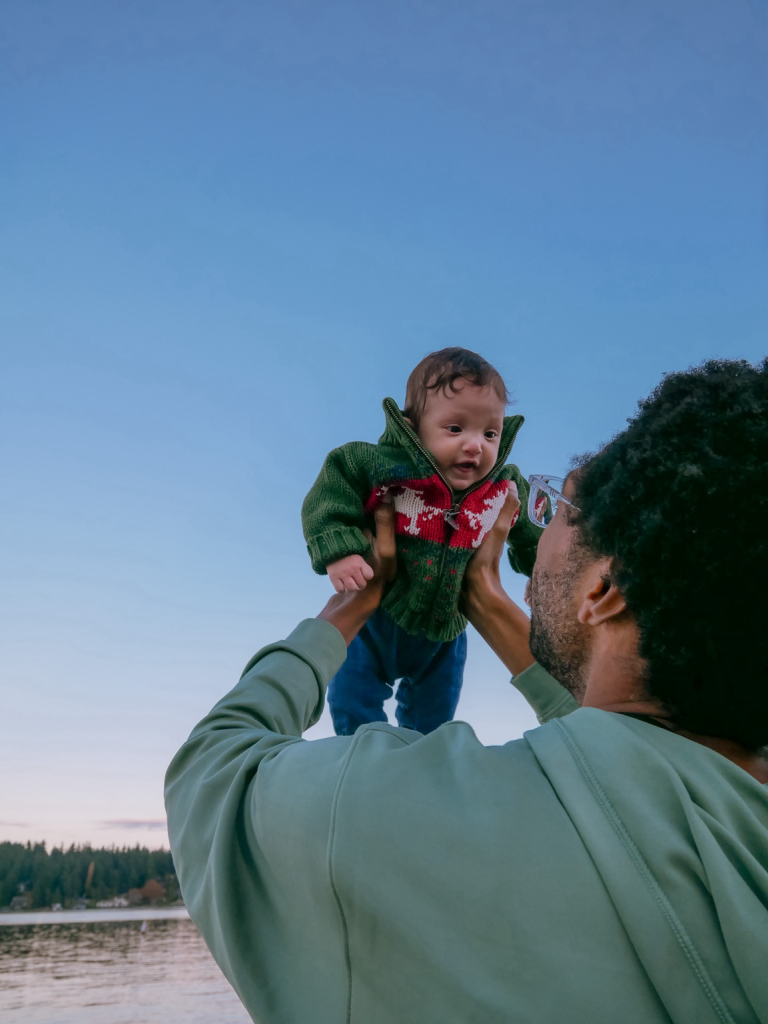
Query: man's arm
250	807
499	621
504	625
279	696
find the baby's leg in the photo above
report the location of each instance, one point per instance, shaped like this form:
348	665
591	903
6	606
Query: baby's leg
428	694
357	692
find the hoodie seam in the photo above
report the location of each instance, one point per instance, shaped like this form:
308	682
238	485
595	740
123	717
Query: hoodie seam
330	856
552	713
332	880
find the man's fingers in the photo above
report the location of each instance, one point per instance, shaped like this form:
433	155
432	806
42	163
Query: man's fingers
385	530
508	509
383	547
491	549
498	533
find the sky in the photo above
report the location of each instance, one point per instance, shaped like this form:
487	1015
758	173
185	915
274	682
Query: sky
229	229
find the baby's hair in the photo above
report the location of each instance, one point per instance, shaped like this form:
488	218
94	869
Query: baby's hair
440	370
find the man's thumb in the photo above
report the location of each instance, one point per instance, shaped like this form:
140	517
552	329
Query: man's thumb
509	510
384	517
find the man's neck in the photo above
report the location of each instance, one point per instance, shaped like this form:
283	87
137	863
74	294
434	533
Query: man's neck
615	675
616	681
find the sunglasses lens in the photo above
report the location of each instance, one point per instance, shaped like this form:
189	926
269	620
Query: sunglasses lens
542	505
542	508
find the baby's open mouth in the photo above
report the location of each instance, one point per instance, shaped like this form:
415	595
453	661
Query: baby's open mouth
466	467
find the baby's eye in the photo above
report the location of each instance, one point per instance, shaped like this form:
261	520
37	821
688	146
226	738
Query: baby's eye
454	428
491	434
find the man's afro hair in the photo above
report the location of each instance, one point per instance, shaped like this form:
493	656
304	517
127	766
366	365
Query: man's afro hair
679	501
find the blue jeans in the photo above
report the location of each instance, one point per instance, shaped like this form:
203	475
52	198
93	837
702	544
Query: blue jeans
430	677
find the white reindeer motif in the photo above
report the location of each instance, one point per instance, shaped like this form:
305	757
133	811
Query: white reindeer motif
411	504
484	520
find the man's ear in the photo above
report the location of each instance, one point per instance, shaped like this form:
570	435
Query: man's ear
602	600
410	422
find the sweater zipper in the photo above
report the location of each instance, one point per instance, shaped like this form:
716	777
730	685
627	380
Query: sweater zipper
450	514
415	438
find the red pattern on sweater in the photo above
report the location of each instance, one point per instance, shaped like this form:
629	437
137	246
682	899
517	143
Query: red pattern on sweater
421	508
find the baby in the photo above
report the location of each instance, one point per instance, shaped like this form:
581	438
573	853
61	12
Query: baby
442	461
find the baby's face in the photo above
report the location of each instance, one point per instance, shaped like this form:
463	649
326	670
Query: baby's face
462	430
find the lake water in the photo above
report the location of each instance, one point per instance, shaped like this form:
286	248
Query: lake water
107	971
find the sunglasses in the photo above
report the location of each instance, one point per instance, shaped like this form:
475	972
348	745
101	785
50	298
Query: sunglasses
545	495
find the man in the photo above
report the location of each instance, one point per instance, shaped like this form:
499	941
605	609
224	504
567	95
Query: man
610	866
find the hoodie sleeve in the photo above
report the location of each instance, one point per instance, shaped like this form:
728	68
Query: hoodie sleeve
333	515
524	537
250	811
545	695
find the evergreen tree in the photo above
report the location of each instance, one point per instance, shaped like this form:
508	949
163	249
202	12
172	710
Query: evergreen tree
60	876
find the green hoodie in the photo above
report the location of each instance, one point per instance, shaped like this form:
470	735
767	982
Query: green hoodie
438	530
599	870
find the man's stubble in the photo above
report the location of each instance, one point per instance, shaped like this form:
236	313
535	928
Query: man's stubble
557	640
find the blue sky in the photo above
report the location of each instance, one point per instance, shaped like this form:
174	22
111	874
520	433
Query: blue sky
230	229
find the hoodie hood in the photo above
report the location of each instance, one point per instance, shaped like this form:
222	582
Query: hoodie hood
684	856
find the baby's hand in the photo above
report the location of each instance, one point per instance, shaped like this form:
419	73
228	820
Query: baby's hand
350	573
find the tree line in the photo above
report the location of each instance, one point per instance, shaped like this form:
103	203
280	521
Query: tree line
62	876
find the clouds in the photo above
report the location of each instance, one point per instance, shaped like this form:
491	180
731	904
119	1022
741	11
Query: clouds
149	825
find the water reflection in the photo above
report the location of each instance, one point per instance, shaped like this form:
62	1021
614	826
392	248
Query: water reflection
112	973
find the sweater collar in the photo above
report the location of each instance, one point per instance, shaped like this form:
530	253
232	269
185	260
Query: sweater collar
397	433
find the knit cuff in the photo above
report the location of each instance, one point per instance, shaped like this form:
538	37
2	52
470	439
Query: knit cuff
331	545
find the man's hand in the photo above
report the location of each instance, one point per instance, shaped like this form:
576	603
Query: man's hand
497	618
350	609
483	568
350	573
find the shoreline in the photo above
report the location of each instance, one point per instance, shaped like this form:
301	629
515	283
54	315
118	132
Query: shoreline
104	914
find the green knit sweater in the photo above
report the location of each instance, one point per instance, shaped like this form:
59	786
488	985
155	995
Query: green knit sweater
438	530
